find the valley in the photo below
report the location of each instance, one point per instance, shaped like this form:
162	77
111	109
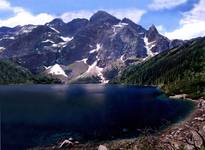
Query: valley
100	83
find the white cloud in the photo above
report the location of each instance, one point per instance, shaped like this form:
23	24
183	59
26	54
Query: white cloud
188	31
196	14
161	29
192	24
165	4
133	14
22	17
4	5
68	16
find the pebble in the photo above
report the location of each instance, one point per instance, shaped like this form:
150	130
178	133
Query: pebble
102	147
66	143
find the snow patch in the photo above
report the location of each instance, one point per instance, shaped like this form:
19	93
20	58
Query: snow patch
56	70
122	57
98	47
66	39
55	45
27	29
90	46
95	70
54	29
61	44
149	46
11	38
8	37
2	49
118	27
46	41
83	60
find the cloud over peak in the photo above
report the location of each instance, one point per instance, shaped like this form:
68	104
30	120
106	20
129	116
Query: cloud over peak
165	4
22	17
192	24
4	5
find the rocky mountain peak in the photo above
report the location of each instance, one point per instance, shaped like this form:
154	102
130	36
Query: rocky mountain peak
98	47
78	23
153	29
4	29
103	17
127	20
71	28
152	33
137	27
56	22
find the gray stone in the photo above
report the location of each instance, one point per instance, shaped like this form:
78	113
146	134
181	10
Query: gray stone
102	147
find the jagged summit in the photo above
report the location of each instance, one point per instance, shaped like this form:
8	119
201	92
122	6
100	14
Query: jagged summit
153	29
56	22
139	28
102	17
127	20
153	34
100	13
77	23
101	46
67	29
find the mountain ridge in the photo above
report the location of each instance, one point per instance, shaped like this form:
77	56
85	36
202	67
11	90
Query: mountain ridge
177	71
104	41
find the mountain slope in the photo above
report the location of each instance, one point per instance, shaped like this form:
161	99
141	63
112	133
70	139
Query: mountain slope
180	70
11	73
96	47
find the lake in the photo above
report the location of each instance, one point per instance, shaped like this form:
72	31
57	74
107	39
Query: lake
38	115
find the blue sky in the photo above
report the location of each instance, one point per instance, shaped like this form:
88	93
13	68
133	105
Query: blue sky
69	5
183	19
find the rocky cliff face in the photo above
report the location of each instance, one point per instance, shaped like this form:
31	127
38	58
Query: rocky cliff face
83	48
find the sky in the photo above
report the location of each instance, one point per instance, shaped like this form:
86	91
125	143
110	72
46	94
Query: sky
176	19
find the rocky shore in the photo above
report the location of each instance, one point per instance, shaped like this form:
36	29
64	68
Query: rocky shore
186	135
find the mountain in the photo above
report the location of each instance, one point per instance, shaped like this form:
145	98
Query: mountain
177	71
96	48
13	74
67	29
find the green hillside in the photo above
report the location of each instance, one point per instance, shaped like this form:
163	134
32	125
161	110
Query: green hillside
180	70
11	73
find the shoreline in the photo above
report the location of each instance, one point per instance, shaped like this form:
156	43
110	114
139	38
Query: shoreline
177	134
171	134
170	137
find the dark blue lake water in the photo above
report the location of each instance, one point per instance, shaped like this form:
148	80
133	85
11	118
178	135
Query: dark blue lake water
36	115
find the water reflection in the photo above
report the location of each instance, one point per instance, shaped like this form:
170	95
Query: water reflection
86	112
